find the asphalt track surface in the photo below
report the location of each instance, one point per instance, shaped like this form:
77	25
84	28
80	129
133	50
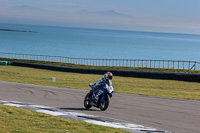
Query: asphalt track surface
175	115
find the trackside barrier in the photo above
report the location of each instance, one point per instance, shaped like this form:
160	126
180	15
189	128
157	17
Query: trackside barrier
140	74
5	63
135	63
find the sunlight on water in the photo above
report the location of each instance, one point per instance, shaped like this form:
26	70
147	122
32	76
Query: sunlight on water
94	43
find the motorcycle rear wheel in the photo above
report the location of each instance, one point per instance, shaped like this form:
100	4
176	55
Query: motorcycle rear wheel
103	105
87	101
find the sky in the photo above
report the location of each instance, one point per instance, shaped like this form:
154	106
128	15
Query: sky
173	16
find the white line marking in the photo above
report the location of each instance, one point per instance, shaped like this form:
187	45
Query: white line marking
84	117
11	104
50	112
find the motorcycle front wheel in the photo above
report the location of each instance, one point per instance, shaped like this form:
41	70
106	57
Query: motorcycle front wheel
87	101
103	102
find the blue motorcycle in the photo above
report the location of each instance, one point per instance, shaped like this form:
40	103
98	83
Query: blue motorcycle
100	97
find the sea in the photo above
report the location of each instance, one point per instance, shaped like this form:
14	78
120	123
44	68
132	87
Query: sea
98	43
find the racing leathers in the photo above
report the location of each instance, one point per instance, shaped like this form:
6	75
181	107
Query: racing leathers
100	83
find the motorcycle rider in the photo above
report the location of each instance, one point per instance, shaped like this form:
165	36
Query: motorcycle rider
107	79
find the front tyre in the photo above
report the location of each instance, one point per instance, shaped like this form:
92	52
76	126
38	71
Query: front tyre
103	102
87	101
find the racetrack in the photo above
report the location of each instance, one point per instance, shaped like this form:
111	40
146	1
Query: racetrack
175	115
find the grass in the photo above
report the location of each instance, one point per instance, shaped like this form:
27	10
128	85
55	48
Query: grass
103	67
13	119
151	87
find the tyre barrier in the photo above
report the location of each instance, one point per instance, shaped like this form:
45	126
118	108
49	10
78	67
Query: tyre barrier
191	77
5	63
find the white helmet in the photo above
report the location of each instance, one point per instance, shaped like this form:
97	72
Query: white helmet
108	76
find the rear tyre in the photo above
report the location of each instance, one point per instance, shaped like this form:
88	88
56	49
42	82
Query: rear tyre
103	104
87	101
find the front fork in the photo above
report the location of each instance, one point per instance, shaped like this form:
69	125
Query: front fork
103	97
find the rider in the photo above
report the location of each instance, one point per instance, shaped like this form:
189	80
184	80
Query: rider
107	79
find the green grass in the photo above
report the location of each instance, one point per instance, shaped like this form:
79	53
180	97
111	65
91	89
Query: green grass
13	119
104	67
151	87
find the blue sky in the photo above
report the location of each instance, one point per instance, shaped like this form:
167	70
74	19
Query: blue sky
176	16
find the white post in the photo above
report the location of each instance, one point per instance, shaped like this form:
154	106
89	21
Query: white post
53	79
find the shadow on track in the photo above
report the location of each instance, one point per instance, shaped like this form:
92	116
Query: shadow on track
79	109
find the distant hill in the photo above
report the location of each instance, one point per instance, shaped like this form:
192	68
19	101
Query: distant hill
104	13
25	8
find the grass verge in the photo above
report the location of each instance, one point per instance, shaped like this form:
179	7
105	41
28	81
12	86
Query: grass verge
13	119
151	87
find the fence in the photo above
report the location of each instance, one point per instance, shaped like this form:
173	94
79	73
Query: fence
171	64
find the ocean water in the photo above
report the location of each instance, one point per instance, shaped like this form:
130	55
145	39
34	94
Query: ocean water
98	43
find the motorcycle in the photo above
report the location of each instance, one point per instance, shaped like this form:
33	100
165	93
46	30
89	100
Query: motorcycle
100	97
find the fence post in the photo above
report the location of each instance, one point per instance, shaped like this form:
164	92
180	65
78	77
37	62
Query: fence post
168	64
142	63
159	63
163	64
178	64
146	63
150	63
189	65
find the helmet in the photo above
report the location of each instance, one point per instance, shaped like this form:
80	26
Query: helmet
108	76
